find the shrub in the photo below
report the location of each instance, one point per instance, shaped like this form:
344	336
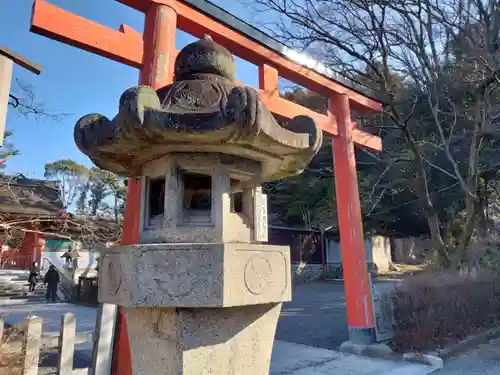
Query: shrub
433	309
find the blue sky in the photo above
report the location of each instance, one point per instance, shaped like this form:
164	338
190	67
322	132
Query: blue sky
74	81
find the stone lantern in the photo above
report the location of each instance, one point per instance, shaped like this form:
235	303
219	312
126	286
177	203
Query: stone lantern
202	291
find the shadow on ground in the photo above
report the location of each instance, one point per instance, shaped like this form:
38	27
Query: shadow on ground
315	317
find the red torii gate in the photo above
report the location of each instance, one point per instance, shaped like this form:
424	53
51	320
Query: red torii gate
154	54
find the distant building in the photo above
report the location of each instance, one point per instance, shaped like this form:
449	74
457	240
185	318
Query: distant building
33	221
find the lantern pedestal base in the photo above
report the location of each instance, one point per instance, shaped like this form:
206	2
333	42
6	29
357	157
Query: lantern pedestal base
198	308
234	340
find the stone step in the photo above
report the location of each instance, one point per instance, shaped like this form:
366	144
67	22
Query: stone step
14	295
13	278
15	285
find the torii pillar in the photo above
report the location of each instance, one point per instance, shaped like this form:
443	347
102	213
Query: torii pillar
154	52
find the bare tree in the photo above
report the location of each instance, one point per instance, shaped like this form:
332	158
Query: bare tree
36	206
433	62
14	227
71	176
24	100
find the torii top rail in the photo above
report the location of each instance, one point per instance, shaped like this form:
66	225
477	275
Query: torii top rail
201	17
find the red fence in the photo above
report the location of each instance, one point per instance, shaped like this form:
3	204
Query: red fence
14	259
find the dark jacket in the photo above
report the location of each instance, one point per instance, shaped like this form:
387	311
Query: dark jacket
52	278
34	271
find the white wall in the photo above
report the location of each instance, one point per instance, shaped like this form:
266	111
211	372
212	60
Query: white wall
377	248
334	254
381	252
87	258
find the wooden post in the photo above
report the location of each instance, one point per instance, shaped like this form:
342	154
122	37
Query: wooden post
6	65
357	282
105	326
2	324
66	344
31	346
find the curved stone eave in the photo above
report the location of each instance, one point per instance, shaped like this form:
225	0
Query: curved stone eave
129	135
295	140
110	136
283	165
126	153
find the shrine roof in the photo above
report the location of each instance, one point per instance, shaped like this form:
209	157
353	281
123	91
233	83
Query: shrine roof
24	196
85	228
21	61
39	200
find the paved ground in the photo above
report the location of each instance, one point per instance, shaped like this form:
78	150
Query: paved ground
288	358
484	360
315	317
51	314
296	359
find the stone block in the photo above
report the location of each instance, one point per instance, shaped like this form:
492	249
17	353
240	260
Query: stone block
426	359
173	341
195	275
367	350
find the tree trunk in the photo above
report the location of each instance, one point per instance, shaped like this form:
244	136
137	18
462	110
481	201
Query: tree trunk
425	200
435	232
468	230
116	208
471	200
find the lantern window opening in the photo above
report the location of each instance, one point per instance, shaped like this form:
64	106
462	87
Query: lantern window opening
236	198
196	197
156	201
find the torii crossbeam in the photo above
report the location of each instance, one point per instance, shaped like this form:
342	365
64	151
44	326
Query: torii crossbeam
151	51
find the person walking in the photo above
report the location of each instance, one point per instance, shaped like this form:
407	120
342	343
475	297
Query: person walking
52	280
34	271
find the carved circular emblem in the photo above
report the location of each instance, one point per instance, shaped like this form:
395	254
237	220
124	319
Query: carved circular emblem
179	282
258	275
196	96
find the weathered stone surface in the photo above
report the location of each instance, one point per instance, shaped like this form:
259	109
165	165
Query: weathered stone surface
201	293
195	275
203	112
219	224
235	340
205	57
